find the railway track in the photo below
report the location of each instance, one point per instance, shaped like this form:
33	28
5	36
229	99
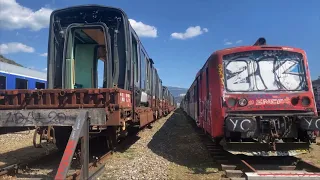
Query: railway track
98	157
241	167
96	165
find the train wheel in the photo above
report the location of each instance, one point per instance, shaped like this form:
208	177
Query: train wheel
112	137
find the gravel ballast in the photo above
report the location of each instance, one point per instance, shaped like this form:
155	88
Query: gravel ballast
171	149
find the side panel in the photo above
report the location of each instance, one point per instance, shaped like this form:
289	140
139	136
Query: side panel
10	81
201	99
215	94
207	99
143	69
198	98
192	102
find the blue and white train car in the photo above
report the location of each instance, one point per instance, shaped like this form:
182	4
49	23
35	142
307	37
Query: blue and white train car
16	77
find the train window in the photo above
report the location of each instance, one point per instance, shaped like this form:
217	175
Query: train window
40	85
21	83
143	69
100	71
135	58
3	84
148	74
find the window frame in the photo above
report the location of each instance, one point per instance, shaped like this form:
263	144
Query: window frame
26	80
5	81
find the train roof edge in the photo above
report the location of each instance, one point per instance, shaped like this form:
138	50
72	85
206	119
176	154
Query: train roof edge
22	71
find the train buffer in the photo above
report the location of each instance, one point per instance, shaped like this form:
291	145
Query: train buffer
282	175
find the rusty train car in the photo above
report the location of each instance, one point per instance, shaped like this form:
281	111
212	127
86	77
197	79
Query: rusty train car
255	100
80	39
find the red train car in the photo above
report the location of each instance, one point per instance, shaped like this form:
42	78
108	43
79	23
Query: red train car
255	100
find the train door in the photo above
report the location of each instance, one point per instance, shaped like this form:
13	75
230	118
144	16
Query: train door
201	101
198	99
195	97
207	103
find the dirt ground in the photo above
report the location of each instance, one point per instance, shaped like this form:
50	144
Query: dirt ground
314	155
17	147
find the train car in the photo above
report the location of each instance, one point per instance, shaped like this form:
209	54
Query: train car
87	42
167	102
17	77
255	100
316	90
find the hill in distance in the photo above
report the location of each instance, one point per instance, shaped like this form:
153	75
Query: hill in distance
9	61
178	93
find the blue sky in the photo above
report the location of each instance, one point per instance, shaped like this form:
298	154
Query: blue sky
214	25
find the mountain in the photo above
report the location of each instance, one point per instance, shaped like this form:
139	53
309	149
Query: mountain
178	93
9	61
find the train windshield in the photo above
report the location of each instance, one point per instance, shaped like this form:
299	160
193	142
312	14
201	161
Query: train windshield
264	70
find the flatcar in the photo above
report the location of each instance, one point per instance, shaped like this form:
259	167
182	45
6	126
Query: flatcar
86	42
255	100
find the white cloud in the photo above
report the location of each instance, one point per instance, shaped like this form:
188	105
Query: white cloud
44	54
15	47
182	95
45	69
191	32
15	16
143	30
227	43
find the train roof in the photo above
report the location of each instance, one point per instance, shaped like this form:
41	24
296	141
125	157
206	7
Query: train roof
87	6
22	71
253	48
119	10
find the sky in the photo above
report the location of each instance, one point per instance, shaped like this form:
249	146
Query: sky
178	35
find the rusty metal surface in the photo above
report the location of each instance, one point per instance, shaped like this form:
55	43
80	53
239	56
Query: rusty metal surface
63	98
80	131
144	115
49	117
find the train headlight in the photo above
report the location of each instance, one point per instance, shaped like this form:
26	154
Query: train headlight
243	102
231	102
294	101
305	101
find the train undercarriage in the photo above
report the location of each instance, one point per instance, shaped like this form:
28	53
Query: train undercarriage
281	135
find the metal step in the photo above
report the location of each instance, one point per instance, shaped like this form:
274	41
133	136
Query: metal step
228	167
234	173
